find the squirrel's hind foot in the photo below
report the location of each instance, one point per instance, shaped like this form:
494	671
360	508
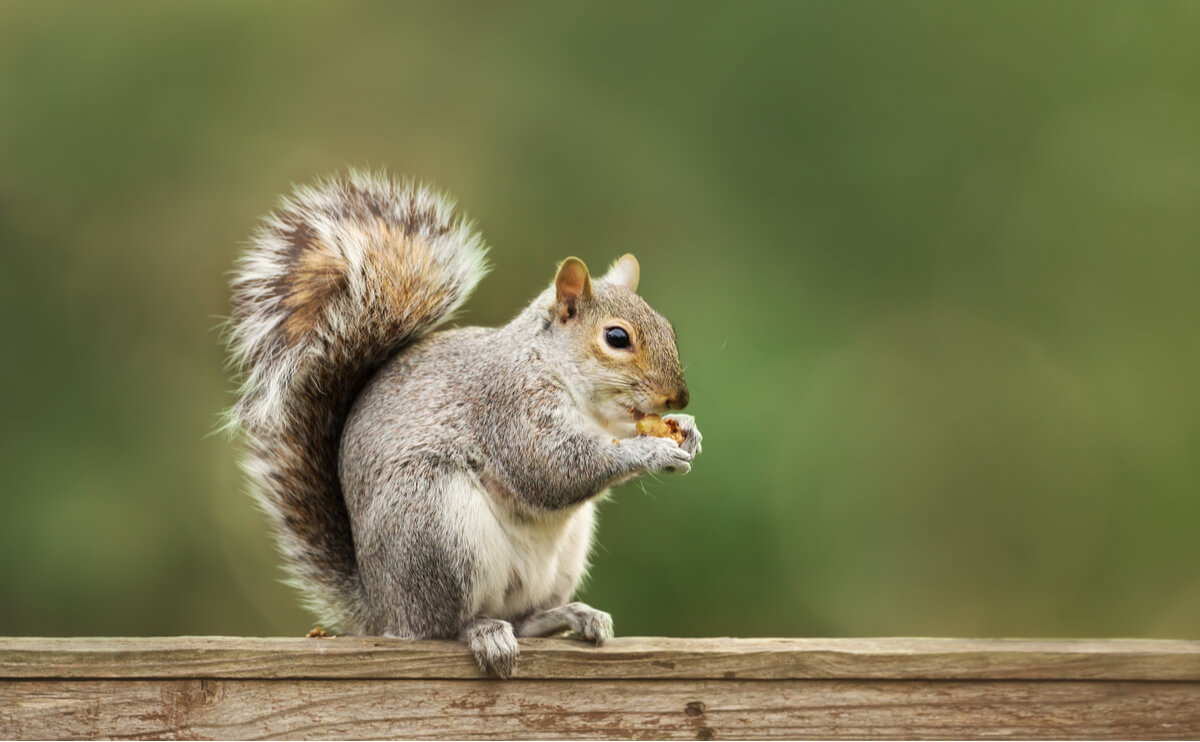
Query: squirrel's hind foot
590	624
494	645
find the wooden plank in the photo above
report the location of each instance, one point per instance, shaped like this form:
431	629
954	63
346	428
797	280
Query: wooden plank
623	658
594	709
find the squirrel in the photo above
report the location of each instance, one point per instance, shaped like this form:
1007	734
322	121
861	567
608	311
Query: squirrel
440	484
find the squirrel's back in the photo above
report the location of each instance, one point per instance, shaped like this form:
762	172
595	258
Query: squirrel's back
339	278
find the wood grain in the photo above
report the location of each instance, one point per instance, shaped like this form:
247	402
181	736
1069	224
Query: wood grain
597	709
623	658
235	688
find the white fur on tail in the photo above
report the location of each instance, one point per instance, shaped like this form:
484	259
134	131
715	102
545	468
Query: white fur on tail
341	276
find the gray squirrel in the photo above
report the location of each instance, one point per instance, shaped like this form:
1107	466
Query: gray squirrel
438	485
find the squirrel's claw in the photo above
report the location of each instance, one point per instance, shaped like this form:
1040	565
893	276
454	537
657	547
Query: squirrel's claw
596	627
692	436
589	623
494	645
668	456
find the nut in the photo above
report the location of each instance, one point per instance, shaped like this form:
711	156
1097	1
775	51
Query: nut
656	427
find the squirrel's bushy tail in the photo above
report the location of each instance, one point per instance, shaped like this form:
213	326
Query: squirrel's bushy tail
342	275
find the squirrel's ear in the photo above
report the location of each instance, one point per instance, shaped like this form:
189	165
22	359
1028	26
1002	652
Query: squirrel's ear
624	272
571	285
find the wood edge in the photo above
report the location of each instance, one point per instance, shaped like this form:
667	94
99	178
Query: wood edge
625	658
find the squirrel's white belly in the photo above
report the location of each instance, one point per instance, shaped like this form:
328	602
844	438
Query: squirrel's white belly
518	565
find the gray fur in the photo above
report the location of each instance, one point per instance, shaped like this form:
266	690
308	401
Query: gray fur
488	414
589	623
468	467
493	643
339	278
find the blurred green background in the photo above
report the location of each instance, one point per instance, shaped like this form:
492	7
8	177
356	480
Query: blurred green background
933	266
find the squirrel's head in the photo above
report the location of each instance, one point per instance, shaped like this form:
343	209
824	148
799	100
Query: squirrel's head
624	352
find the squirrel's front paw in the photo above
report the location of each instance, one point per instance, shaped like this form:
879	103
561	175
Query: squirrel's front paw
662	454
687	426
494	645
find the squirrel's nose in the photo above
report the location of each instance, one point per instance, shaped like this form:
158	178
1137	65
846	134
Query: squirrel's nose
680	400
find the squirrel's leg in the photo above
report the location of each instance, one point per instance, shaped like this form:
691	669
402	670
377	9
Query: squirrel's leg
557	614
493	643
423	559
591	624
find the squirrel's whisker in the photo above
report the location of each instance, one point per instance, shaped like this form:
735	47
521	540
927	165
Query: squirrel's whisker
403	503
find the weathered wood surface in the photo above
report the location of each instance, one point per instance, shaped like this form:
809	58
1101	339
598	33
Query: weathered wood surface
633	688
620	659
592	709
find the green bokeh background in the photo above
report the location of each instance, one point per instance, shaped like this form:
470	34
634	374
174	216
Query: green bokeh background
933	266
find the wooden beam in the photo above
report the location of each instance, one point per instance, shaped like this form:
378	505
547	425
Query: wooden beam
363	687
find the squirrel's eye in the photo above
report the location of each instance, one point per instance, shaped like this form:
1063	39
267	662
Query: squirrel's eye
617	338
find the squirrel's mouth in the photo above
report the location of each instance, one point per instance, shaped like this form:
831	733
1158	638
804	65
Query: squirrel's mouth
636	413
